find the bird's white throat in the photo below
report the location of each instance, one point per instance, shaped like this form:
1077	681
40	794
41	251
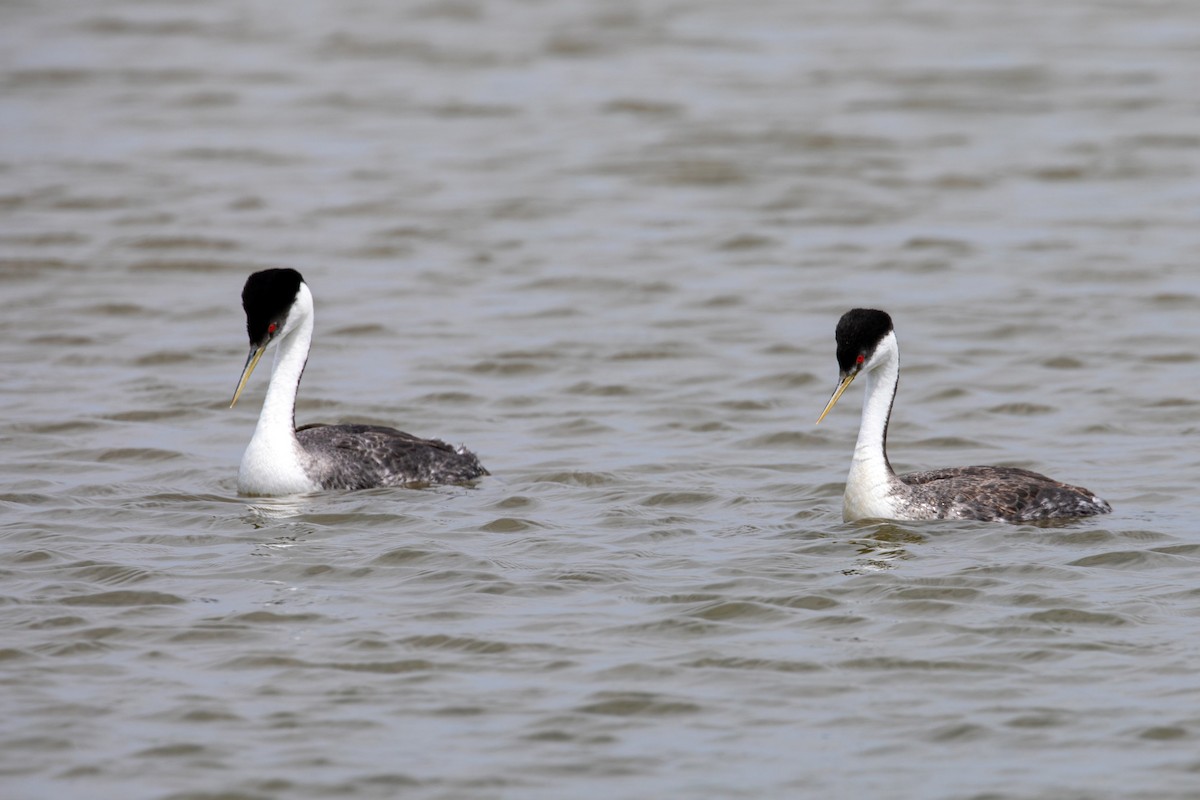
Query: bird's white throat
273	463
871	484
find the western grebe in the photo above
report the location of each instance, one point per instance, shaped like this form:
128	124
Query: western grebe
283	459
866	343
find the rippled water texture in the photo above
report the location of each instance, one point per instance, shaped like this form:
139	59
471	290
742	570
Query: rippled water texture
605	245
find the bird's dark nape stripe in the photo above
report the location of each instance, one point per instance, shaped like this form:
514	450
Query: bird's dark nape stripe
266	298
858	332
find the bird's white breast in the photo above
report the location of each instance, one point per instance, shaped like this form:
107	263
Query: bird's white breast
869	494
273	466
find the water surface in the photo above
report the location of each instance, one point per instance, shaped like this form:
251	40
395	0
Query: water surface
605	245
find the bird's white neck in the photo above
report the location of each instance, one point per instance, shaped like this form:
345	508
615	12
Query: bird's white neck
870	487
273	463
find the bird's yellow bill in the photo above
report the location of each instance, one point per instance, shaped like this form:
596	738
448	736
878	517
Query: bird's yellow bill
846	381
251	363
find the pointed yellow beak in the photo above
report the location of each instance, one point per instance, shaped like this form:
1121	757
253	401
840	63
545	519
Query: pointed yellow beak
841	387
251	363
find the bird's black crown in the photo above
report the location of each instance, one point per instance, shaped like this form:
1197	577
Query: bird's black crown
267	297
859	332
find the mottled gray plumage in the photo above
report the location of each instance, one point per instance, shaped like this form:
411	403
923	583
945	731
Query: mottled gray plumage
364	456
997	493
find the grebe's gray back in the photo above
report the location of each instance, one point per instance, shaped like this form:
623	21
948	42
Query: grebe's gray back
866	343
282	459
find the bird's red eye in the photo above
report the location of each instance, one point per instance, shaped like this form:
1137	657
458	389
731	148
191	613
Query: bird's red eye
271	329
861	358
